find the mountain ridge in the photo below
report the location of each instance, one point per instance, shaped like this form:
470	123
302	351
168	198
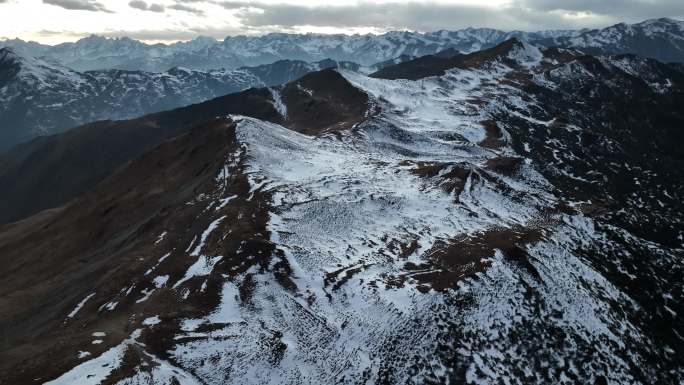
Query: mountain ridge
237	51
65	165
41	98
492	223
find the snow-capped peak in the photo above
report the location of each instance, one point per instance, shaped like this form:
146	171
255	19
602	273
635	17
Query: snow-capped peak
36	70
525	53
97	52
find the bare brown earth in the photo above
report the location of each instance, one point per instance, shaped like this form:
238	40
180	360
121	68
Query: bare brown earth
451	177
323	102
449	262
506	165
493	135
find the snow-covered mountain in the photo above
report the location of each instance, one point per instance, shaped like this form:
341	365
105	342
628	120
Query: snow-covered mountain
95	52
512	216
662	39
38	97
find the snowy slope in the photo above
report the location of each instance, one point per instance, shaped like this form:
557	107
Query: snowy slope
421	246
662	39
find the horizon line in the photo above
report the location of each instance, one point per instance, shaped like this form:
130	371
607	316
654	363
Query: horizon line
199	36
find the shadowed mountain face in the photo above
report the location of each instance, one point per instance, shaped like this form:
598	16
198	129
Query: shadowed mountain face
50	171
514	218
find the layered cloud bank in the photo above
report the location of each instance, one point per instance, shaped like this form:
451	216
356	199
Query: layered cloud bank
52	21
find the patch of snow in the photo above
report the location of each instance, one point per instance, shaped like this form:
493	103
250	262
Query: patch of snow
158	282
229	309
96	370
224	201
202	267
150	270
161	372
108	306
528	55
203	238
278	103
80	305
160	238
151	321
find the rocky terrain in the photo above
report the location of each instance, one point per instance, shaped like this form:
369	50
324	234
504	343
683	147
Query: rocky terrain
511	215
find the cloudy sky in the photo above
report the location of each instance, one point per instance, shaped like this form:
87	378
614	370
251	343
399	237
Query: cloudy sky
54	21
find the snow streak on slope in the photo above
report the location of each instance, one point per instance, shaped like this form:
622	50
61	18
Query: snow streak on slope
97	370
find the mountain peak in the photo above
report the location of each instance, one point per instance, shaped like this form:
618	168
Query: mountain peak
513	51
661	20
204	39
92	38
448	53
8	54
509	44
9	57
97	52
35	71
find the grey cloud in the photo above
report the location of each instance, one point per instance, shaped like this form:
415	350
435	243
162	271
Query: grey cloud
173	35
185	8
79	5
47	32
137	4
143	6
257	17
239	4
419	16
640	9
428	15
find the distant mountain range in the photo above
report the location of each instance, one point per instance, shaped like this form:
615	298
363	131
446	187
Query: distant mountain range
662	39
44	89
39	97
